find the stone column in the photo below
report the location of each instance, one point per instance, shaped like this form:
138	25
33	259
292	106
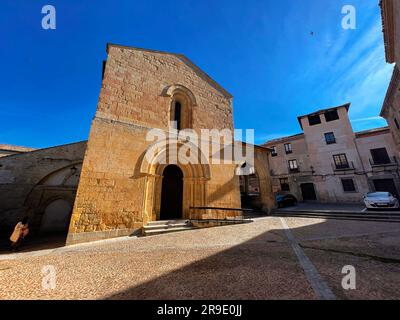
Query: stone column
151	198
188	197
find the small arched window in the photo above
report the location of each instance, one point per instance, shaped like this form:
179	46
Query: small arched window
180	107
177	115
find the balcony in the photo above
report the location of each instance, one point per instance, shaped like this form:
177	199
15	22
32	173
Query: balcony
294	170
388	163
331	141
343	167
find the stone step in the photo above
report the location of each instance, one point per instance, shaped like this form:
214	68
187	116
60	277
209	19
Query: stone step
164	222
152	232
164	226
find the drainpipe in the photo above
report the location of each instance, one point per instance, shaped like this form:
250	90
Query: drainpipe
362	163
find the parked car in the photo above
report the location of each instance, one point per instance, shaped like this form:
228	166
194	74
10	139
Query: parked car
285	200
375	200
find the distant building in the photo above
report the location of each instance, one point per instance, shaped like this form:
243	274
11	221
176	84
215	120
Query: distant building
329	162
7	149
390	10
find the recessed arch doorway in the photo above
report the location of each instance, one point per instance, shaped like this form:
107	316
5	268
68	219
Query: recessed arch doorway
171	193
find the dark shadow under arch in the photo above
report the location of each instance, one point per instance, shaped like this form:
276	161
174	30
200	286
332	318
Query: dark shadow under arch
171	193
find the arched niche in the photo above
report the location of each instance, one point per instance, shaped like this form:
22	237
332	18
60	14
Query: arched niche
181	104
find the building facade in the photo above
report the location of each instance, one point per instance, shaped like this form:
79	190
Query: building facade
151	108
390	11
328	162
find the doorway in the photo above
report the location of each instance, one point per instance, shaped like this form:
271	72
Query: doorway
56	217
250	196
171	193
308	191
386	185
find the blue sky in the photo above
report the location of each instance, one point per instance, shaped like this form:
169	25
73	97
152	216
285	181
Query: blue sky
260	51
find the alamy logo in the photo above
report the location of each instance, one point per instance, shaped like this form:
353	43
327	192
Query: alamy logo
49	20
349	280
349	20
49	277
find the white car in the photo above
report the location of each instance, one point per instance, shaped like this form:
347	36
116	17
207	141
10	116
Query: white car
375	200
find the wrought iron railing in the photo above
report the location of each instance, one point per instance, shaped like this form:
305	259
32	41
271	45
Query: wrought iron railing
343	166
383	162
294	170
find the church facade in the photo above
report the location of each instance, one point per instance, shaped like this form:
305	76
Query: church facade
121	186
148	157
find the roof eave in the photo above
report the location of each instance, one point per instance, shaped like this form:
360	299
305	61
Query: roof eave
388	29
346	105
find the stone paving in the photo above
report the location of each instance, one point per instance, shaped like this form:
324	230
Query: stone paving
249	261
334	207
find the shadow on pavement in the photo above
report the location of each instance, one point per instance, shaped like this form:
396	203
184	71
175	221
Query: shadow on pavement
35	243
260	268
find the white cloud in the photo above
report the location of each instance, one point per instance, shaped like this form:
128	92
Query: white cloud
366	119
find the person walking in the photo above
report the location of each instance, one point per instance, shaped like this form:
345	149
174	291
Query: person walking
21	230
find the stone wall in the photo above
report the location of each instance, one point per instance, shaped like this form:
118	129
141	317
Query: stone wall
136	89
30	181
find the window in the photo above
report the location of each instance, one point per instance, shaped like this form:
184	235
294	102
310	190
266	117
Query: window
348	185
293	166
331	115
341	161
380	156
284	184
177	115
313	120
330	138
397	124
288	148
273	153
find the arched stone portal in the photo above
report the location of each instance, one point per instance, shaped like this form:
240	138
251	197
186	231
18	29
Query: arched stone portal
196	174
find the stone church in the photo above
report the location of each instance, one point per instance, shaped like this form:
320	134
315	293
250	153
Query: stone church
112	185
